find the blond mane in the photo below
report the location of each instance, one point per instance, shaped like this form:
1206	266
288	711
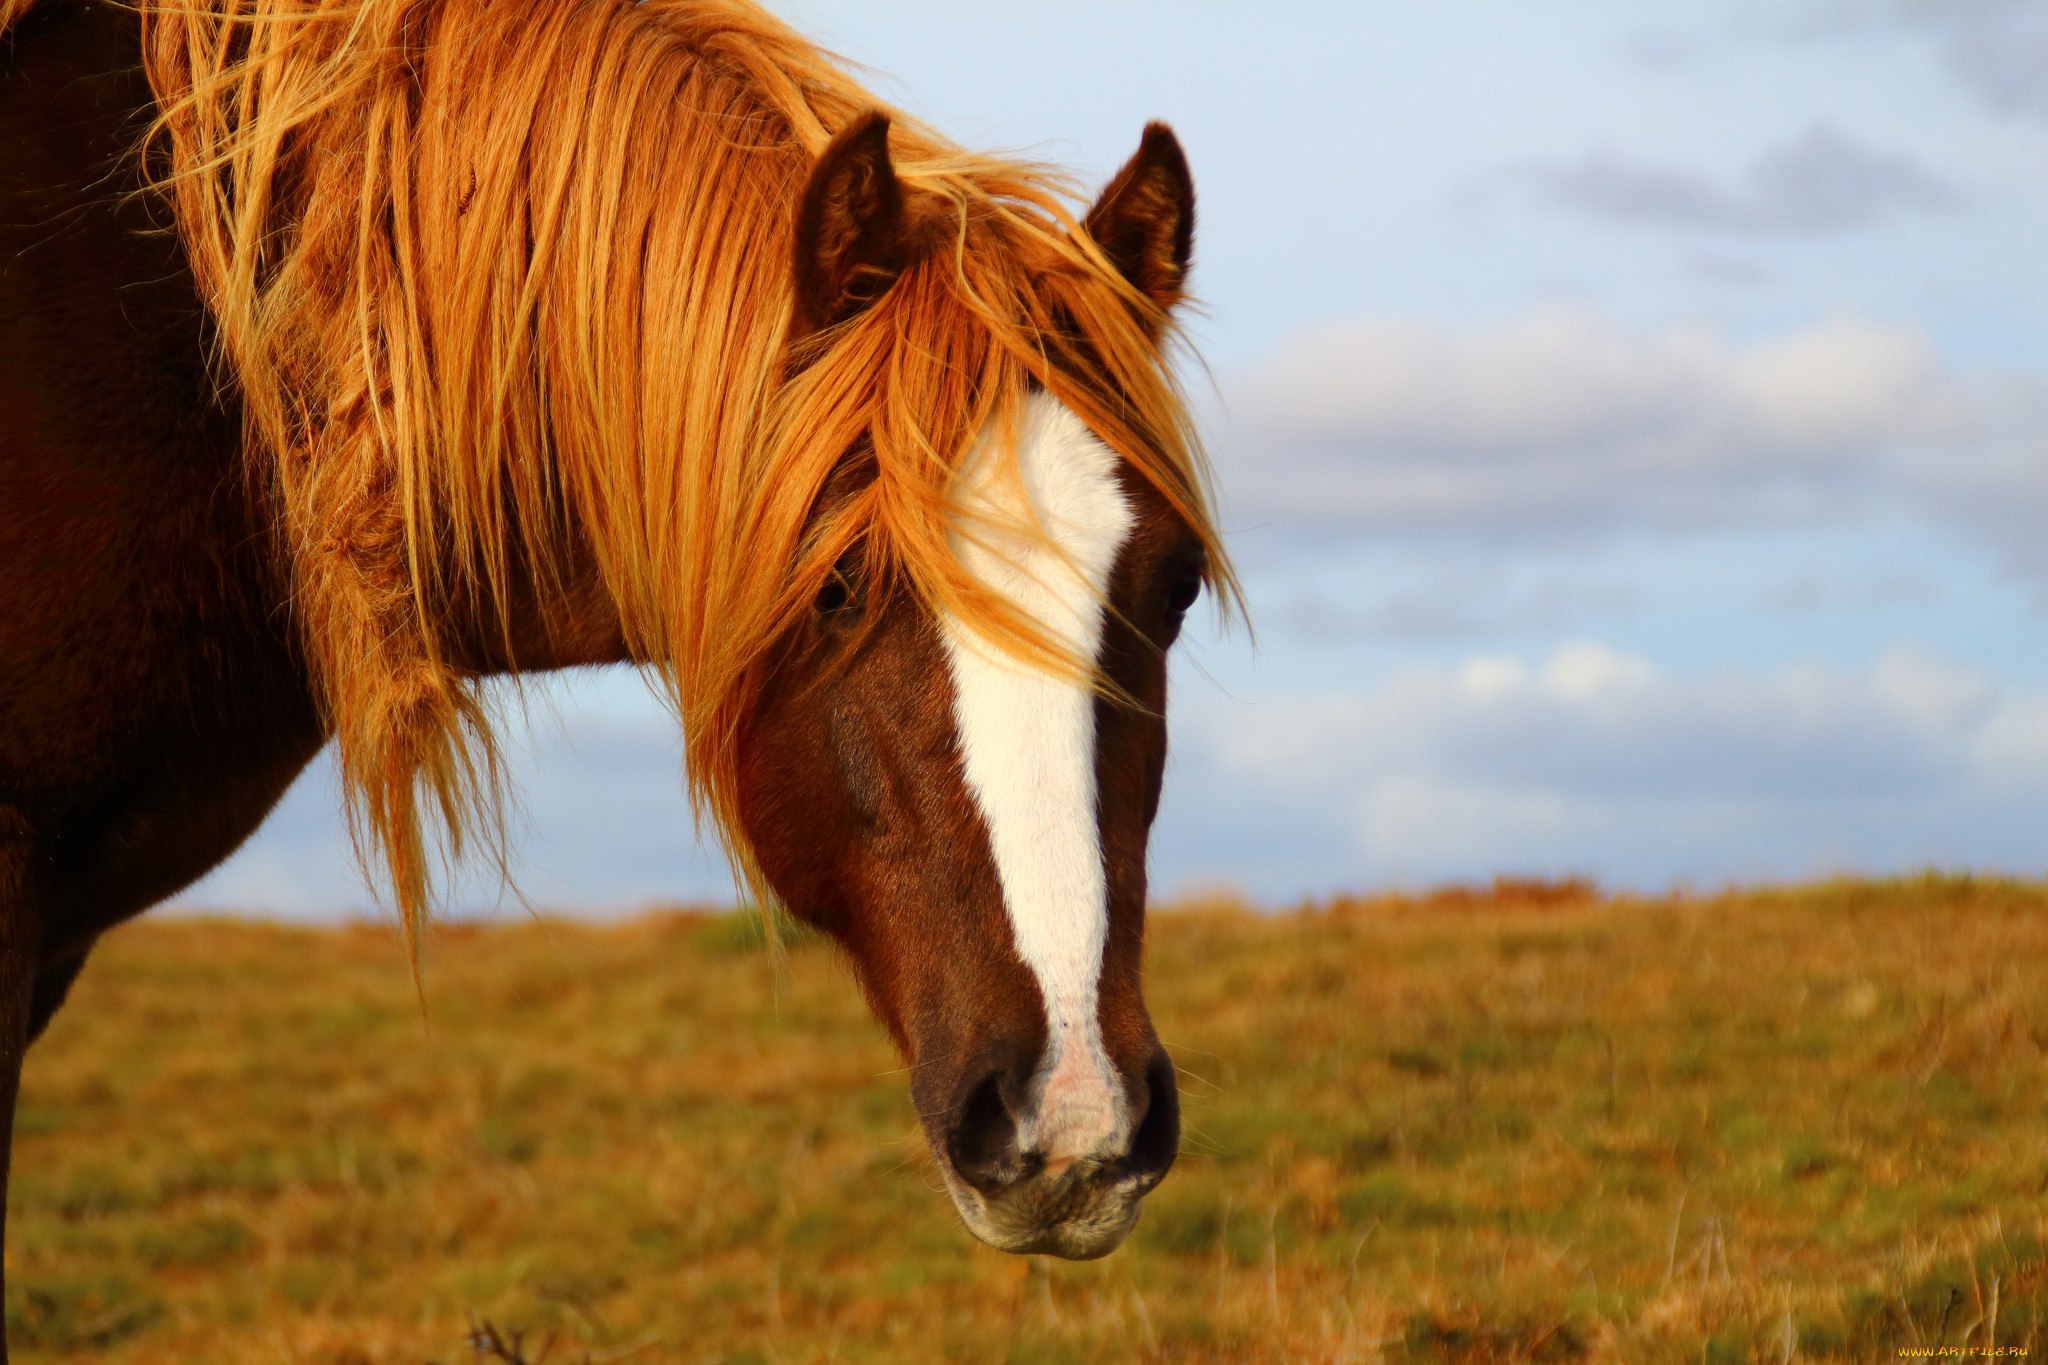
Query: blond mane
501	285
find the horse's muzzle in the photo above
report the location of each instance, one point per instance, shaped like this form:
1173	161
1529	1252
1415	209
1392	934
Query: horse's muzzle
1033	1202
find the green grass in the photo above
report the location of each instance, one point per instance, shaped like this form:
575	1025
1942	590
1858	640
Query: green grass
1511	1123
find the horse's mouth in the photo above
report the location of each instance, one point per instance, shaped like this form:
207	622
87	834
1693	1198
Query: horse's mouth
1084	1213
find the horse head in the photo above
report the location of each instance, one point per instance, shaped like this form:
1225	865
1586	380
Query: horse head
967	815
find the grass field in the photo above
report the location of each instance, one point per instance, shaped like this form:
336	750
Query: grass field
1520	1123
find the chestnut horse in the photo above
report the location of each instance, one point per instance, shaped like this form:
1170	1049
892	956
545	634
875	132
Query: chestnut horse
355	352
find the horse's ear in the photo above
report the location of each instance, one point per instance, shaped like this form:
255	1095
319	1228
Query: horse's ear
1145	220
851	229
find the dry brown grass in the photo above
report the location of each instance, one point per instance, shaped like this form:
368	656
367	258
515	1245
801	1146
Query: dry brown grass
1522	1122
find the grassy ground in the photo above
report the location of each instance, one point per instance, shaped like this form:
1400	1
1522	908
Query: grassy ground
1526	1123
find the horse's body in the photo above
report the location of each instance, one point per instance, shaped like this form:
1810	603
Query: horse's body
168	662
152	702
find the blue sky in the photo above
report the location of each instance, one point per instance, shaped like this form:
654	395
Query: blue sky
1632	422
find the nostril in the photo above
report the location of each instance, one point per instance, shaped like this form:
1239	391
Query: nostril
1157	1141
982	1145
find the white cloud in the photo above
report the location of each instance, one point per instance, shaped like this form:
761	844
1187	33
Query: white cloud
1593	759
1997	49
1821	181
1986	471
1561	422
1561	381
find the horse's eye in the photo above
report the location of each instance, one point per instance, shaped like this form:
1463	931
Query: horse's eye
1182	591
836	596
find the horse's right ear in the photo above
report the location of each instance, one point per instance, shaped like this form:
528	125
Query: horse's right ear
851	229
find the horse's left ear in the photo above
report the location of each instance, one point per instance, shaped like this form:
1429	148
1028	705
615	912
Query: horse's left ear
851	228
1145	220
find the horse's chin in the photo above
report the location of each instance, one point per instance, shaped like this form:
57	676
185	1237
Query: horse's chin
1075	1219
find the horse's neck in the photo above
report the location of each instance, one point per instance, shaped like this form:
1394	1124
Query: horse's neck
564	619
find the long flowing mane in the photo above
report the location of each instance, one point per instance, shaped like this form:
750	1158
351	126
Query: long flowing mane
499	286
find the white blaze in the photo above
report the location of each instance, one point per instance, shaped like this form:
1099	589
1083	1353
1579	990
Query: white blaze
1027	741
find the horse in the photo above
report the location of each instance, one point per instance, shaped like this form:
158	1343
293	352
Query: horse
355	354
